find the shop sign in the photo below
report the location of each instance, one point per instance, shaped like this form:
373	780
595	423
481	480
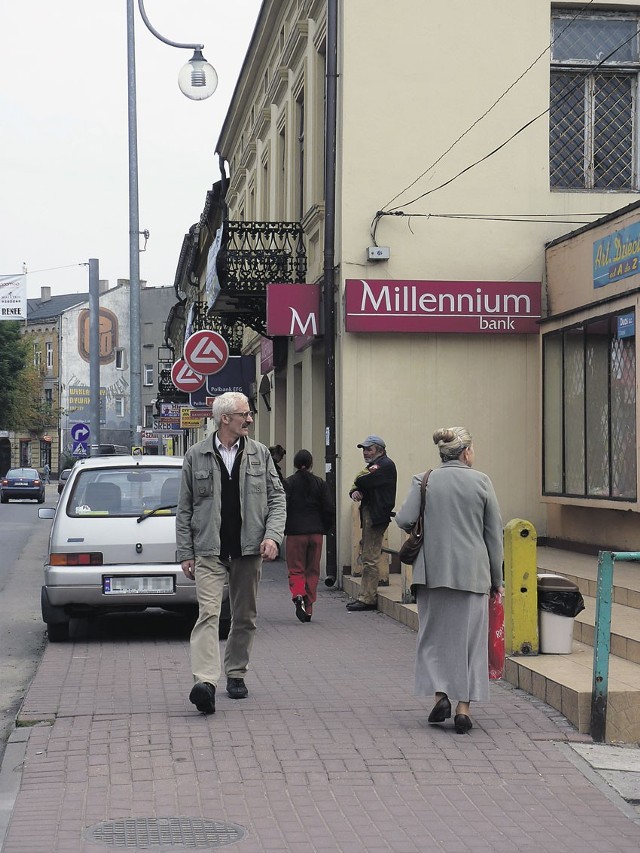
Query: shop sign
616	256
293	310
627	325
238	374
470	307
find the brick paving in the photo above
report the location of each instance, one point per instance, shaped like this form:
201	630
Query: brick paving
330	752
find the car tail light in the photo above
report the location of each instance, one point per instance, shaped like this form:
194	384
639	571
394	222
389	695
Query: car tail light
89	559
5	482
37	482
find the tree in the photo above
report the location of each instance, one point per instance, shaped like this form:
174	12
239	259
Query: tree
13	360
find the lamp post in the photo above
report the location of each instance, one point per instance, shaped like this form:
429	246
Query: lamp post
197	81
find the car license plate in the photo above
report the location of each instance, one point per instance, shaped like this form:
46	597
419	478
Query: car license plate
122	585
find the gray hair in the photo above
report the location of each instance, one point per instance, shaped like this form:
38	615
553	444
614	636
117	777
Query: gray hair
452	441
225	404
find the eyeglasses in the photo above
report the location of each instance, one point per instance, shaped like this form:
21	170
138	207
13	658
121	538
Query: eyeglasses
243	415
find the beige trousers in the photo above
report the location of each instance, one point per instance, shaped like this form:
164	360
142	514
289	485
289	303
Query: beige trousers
372	536
243	574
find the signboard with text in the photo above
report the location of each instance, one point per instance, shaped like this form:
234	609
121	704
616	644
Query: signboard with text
293	310
617	255
239	374
470	307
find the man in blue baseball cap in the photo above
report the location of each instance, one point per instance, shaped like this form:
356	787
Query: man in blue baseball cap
374	488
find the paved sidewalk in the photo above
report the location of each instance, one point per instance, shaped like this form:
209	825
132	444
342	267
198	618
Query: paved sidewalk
330	752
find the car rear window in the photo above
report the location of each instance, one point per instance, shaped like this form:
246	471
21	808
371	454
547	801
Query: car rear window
124	491
28	473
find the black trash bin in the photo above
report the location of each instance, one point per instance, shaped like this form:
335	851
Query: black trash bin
559	602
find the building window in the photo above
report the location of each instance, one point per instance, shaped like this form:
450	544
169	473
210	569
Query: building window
148	374
49	354
589	411
25	453
592	117
119	406
48	397
120	365
37	355
148	417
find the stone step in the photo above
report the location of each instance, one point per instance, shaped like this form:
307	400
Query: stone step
565	683
625	629
582	569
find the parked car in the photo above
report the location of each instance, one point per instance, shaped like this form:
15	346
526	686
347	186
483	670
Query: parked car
112	545
63	476
20	483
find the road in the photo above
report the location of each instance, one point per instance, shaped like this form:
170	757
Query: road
23	545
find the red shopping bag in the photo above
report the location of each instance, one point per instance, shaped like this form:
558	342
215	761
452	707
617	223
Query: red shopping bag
496	636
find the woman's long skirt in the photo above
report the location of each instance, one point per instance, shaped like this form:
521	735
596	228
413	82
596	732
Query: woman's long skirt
452	650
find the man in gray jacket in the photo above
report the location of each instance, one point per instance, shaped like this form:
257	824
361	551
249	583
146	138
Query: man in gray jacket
231	516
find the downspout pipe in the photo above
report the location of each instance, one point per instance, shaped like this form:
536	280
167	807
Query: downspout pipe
329	297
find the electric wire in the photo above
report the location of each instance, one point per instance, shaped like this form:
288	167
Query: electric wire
395	211
494	104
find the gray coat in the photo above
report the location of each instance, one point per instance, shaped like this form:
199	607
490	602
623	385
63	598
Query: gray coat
263	504
463	540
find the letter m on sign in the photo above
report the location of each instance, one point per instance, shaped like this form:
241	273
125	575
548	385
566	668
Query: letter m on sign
293	309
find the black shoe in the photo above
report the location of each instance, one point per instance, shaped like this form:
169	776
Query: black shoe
383	583
307	617
441	711
203	696
236	688
300	611
462	724
356	606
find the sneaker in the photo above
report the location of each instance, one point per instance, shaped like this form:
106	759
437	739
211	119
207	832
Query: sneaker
300	611
203	696
236	688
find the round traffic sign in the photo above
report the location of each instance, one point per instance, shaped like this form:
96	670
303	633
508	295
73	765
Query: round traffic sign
185	378
206	351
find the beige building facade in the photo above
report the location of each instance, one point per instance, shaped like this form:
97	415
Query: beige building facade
468	137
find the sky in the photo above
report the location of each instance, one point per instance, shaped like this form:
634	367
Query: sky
64	139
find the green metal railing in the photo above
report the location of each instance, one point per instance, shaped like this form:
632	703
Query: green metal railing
602	638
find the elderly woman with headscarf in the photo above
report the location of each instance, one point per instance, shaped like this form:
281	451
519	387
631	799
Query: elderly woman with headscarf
458	566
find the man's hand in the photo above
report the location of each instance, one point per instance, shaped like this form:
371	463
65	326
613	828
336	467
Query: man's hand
356	496
189	568
268	549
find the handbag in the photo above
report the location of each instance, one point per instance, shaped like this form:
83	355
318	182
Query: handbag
496	636
413	543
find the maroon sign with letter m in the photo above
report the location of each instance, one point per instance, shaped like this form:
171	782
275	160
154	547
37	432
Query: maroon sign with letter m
293	310
470	307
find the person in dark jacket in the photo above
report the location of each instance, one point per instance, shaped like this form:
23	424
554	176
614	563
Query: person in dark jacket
375	489
278	453
310	514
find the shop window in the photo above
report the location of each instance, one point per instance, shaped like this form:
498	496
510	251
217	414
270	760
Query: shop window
595	64
589	410
25	453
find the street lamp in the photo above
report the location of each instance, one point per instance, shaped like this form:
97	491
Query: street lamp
197	80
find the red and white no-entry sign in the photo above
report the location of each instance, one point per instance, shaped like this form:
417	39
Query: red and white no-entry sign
185	378
206	351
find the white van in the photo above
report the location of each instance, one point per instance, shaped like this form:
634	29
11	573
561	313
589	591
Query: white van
113	543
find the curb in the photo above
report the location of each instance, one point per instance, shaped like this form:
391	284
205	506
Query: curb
11	776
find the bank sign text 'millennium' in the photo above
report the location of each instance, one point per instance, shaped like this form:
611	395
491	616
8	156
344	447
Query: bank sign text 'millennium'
470	307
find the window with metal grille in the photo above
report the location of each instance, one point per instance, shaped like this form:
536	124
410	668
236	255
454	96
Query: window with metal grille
595	62
589	411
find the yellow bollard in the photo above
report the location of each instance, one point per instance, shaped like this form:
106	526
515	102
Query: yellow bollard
521	588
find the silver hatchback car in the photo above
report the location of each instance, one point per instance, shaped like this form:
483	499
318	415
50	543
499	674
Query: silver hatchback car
112	545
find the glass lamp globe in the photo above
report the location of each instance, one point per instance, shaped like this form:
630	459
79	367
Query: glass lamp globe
198	79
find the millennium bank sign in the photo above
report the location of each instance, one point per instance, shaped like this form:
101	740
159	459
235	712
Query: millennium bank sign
468	307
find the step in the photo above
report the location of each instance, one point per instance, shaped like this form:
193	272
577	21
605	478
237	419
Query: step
565	682
582	569
625	629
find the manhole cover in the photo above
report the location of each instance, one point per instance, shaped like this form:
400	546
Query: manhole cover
156	833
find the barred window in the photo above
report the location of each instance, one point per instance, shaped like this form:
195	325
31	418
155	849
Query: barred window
595	64
589	411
